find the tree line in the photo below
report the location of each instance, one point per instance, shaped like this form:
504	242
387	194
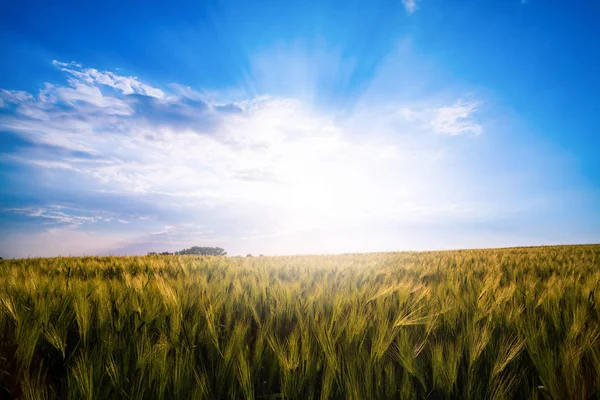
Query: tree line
195	250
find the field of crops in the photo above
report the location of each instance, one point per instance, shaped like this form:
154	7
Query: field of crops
479	324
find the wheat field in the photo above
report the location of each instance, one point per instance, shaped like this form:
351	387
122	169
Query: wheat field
518	323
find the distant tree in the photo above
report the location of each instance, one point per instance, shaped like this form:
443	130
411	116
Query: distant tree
262	255
248	255
203	251
151	253
166	253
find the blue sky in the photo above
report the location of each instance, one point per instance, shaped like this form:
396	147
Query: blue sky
298	127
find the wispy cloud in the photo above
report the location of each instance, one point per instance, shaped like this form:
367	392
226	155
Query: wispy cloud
14	96
455	119
58	215
410	6
125	84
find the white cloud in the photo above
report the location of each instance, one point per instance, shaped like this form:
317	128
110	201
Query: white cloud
410	6
454	119
166	231
79	92
125	84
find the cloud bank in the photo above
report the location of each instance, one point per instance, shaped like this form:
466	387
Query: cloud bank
138	167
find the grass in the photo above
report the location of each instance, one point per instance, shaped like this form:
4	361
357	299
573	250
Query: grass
473	324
